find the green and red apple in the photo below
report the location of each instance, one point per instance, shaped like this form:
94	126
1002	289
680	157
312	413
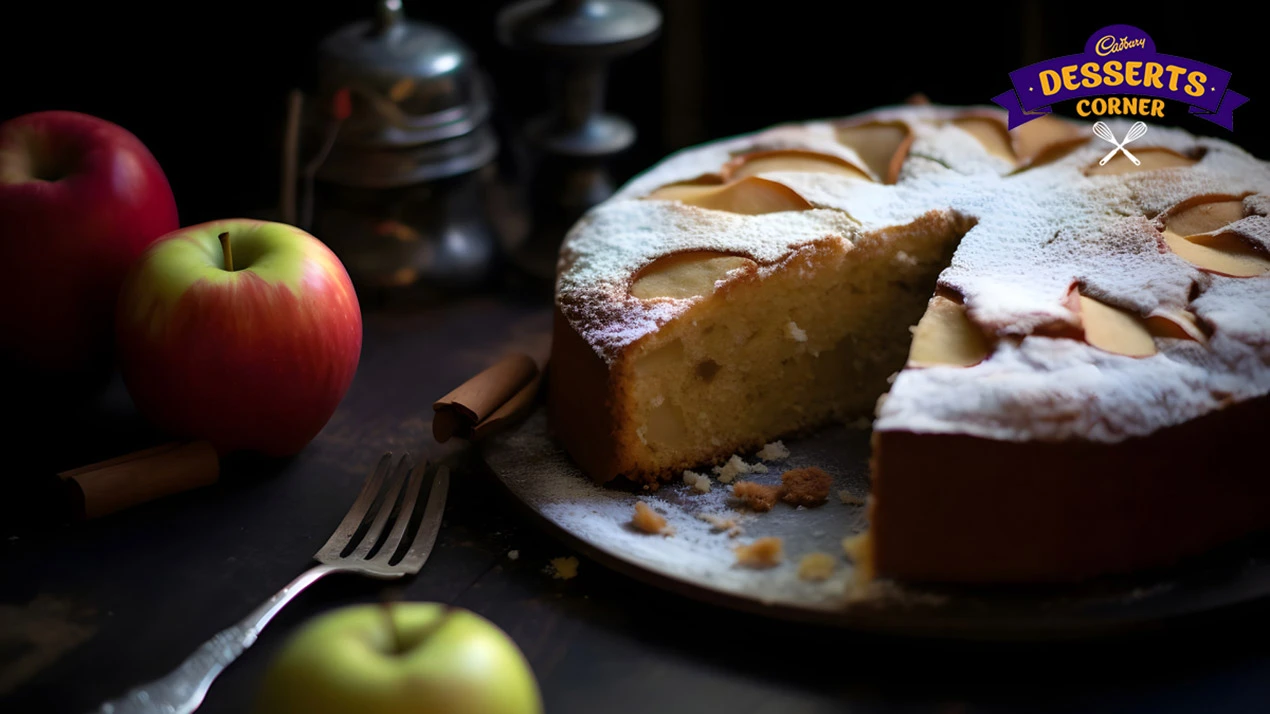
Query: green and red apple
80	199
244	333
407	658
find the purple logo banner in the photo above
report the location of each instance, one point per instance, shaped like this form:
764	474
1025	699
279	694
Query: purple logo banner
1121	60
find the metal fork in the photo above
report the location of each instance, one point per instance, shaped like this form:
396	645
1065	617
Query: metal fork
182	690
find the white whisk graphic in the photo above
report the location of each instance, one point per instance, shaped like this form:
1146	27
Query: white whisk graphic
1102	131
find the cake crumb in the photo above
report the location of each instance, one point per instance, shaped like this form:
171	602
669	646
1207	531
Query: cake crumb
851	500
805	487
727	472
513	554
795	333
757	496
648	520
762	553
736	466
656	401
722	524
774	451
564	568
699	482
816	566
856	546
859	550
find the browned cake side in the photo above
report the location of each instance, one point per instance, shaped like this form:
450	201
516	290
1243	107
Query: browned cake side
955	508
579	407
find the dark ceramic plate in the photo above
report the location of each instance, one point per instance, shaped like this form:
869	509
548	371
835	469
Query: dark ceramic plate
698	560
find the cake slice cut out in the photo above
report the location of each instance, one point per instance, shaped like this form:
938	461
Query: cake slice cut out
1112	329
947	336
751	196
882	146
687	275
1149	158
791	160
1194	235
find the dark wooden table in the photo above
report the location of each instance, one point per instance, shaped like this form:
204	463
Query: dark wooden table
90	610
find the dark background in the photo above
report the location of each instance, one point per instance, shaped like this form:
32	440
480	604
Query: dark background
204	84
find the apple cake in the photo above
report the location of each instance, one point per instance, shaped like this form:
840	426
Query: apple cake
1065	350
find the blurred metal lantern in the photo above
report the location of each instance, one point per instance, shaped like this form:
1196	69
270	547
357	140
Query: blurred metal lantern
398	154
578	38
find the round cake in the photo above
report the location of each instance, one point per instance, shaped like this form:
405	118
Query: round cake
1063	348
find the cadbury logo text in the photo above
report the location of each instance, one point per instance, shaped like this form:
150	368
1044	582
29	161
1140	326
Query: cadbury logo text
1108	44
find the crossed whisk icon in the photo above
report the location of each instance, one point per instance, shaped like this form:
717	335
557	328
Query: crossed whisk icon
1102	131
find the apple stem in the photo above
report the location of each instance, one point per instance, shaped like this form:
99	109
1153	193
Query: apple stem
446	612
388	602
227	250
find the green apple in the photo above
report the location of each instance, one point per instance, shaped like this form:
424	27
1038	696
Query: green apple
404	658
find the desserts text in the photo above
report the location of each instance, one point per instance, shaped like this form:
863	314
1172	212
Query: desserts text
1136	80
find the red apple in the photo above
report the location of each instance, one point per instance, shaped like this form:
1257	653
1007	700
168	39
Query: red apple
80	198
241	332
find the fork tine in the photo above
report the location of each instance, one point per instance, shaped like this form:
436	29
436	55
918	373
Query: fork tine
395	482
353	519
430	524
408	505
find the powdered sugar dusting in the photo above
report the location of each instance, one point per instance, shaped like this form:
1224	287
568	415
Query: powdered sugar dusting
1037	232
624	236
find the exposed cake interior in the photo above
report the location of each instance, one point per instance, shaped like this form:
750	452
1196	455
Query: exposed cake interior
821	338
